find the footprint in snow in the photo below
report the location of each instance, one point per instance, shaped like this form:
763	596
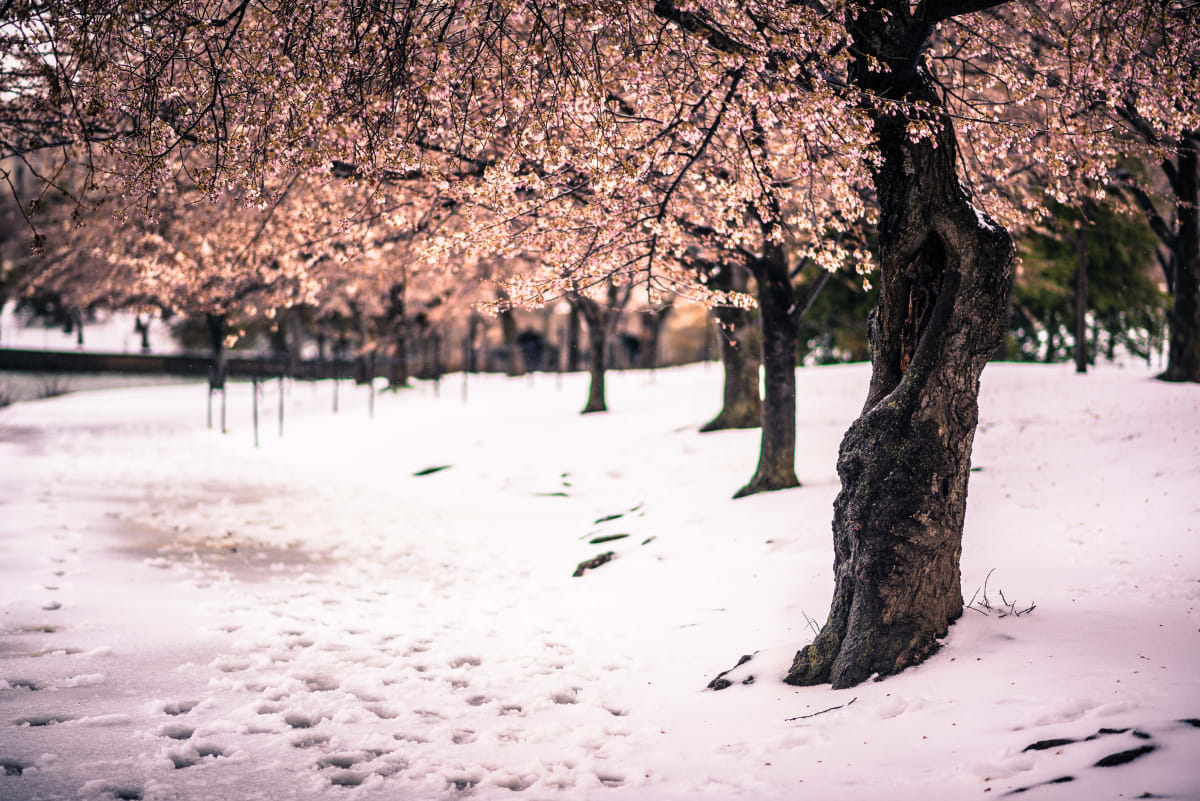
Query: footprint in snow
343	761
382	711
42	720
319	683
14	767
610	779
176	731
190	757
310	741
300	720
347	778
567	696
1142	743
463	736
174	708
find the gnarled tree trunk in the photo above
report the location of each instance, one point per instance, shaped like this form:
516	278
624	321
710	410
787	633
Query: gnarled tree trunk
776	306
904	463
737	330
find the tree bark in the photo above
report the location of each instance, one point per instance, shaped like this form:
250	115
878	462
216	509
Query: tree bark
741	356
1183	319
777	319
904	463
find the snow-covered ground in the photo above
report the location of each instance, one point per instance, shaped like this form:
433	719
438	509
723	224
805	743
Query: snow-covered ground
111	332
184	616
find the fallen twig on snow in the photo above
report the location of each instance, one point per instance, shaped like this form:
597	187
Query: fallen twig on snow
823	711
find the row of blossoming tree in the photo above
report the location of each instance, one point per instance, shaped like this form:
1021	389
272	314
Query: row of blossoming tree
593	149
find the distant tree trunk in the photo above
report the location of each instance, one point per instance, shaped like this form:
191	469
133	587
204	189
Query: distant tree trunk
741	356
508	328
140	327
776	310
904	463
294	325
652	323
572	343
470	364
1081	301
216	339
1183	319
1051	334
397	315
77	319
593	316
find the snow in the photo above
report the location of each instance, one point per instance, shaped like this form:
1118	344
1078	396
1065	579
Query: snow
110	332
184	616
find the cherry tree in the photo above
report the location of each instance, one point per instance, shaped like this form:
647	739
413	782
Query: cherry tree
601	134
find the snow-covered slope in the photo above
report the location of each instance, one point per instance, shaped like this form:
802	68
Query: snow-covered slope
183	616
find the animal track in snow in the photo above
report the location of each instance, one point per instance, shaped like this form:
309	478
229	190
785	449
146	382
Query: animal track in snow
178	707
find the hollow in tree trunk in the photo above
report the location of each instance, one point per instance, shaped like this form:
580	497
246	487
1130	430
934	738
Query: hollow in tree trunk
776	306
904	463
741	356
